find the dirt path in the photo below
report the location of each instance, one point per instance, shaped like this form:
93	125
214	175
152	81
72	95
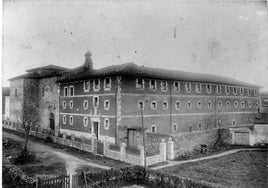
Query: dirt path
71	161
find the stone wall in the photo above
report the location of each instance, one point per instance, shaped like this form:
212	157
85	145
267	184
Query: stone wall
153	140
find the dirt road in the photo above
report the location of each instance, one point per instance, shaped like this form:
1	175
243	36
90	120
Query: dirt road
71	162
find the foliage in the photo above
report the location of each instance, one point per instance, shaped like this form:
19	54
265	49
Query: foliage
48	139
24	157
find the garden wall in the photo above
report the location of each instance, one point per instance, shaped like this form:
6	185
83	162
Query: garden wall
153	140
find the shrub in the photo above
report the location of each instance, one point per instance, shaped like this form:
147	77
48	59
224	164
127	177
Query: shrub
48	139
24	157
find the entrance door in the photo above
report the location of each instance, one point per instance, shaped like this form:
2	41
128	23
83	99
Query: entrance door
96	128
52	121
132	138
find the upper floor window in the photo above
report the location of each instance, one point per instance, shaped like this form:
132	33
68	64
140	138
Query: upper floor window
71	120
43	91
64	104
95	101
153	129
141	105
139	83
85	121
199	104
71	104
249	92
65	91
218	89
227	89
164	85
209	105
228	104
16	92
189	105
219	104
106	123
71	90
208	88
255	92
86	86
153	105
242	104
236	104
153	85
165	105
235	90
177	105
198	88
188	87
96	85
106	105
85	104
175	127
107	83
241	91
176	86
64	119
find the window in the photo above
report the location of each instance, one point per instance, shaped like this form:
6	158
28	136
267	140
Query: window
71	120
96	85
153	105
250	104
16	92
227	89
164	85
85	104
141	104
106	123
249	92
106	105
188	87
86	86
228	104
176	86
174	127
71	104
236	104
165	105
241	91
64	119
219	104
233	122
235	90
85	121
190	129
199	124
198	88
209	105
218	89
199	104
153	129
65	91
71	90
257	105
139	83
242	104
95	101
189	104
107	84
208	88
64	104
43	91
255	92
153	85
177	105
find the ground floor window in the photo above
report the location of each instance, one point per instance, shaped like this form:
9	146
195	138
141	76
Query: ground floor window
106	123
233	122
64	119
71	120
85	121
153	129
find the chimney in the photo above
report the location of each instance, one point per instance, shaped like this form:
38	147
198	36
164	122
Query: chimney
88	61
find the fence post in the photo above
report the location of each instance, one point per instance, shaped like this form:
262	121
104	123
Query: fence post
105	147
122	151
142	162
170	149
163	149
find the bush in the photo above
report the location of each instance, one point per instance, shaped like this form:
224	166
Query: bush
48	139
24	157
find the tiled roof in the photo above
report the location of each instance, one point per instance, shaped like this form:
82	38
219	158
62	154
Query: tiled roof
132	70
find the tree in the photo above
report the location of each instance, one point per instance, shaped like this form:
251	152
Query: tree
27	127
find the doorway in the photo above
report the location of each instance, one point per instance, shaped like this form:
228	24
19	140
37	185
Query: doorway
96	128
132	138
52	121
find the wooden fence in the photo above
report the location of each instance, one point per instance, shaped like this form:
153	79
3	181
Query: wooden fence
55	182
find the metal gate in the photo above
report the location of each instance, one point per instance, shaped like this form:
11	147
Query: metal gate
55	182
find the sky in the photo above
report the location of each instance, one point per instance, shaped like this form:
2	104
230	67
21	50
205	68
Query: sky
228	38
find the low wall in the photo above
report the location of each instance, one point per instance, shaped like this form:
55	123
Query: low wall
153	140
188	141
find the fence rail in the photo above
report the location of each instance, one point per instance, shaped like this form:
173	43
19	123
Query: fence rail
55	182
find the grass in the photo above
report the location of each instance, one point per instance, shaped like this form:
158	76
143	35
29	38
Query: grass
242	169
88	169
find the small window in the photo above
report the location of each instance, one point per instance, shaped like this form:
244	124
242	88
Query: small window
236	104
218	89
188	87
153	129
64	104
95	101
43	91
177	105
200	125
85	104
199	104
250	104
141	104
86	86
96	85
219	104
71	90
139	83
198	88
249	92
242	104
107	83
71	104
71	120
64	119
189	104
164	85
227	89
235	90
176	86
190	129
165	105
228	104
153	85
106	105
16	92
85	121
106	123
208	88
233	122
209	105
175	127
65	91
241	91
153	105
255	92
257	105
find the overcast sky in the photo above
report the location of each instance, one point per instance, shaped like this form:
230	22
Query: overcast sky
228	38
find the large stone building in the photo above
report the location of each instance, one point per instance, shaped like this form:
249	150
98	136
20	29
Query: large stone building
114	102
34	97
